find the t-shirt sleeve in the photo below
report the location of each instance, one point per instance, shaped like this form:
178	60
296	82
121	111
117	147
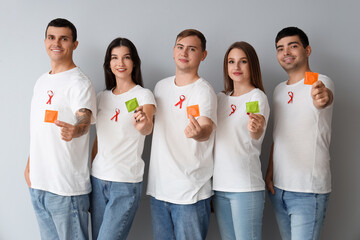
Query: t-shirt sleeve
327	82
82	95
147	97
207	101
264	107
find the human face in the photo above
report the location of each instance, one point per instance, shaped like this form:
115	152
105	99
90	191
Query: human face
59	44
121	63
291	54
238	66
188	54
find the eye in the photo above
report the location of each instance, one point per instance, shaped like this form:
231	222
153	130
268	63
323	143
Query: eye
113	57
231	61
179	47
192	49
128	57
64	39
280	49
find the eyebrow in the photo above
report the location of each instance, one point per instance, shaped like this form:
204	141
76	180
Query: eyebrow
63	36
179	44
290	43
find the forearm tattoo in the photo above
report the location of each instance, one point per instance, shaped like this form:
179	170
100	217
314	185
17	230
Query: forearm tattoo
83	119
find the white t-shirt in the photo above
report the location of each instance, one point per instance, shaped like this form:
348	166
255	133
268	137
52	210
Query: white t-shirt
181	168
120	145
301	139
237	166
58	166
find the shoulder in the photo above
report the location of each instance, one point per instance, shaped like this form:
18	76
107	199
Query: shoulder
165	82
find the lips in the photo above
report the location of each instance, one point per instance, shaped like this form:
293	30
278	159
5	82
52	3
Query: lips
237	73
183	60
288	59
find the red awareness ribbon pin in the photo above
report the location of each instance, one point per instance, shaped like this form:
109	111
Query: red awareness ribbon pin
233	107
51	94
291	95
182	98
116	115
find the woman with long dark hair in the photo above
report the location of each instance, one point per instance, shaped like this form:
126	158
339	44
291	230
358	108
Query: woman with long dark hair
243	111
124	117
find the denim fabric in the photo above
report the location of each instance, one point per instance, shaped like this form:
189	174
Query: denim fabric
113	208
180	221
61	217
300	216
239	214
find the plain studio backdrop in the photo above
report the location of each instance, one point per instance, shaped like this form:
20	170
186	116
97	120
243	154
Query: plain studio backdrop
333	30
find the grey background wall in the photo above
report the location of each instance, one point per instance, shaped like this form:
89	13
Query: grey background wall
333	29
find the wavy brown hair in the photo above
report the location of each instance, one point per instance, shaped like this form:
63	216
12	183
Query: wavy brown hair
254	66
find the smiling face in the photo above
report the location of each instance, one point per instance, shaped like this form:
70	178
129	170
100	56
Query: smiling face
188	54
121	63
238	66
291	54
59	44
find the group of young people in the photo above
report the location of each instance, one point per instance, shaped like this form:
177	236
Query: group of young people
204	146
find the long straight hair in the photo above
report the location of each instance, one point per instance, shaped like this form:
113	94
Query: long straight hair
110	80
254	66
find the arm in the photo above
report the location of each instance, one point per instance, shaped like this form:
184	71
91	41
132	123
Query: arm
321	95
200	129
81	127
256	125
94	150
27	172
143	119
269	173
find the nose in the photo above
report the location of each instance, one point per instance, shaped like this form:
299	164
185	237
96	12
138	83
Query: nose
286	51
184	51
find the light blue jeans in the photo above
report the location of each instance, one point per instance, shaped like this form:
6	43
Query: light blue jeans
61	217
113	208
180	221
239	214
300	216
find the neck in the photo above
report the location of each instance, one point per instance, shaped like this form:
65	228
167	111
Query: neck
298	75
61	67
241	88
123	85
182	79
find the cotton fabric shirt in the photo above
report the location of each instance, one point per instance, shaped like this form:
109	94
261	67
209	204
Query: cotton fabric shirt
120	145
237	165
181	168
58	166
302	136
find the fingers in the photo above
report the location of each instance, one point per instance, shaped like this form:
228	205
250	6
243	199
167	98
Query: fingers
193	129
270	187
139	114
67	130
256	122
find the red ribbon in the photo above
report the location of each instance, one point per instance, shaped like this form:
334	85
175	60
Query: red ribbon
51	94
116	115
291	95
182	98
233	107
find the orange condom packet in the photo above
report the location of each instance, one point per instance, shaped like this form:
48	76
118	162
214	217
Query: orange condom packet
193	110
310	78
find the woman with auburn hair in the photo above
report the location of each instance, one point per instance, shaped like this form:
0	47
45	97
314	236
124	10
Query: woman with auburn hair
243	111
124	117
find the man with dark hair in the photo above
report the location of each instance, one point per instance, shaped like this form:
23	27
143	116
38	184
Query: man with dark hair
298	175
62	108
181	163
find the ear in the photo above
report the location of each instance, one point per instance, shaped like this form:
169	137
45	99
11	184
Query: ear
76	43
308	50
204	55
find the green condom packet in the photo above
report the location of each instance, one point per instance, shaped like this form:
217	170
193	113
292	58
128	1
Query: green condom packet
132	104
252	107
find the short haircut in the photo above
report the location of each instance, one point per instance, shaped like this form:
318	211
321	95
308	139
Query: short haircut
293	31
110	80
193	32
254	67
61	22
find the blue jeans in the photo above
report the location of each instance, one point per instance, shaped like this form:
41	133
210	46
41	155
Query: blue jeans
300	216
239	214
61	217
180	221
113	208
